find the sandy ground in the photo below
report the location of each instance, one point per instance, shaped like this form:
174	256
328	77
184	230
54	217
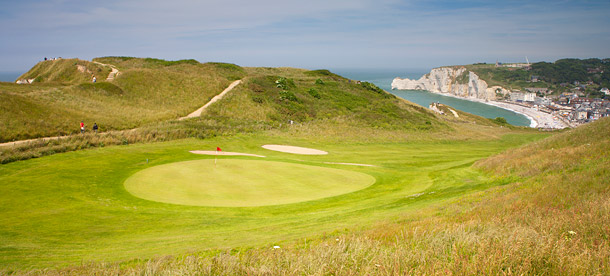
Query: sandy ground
349	164
223	153
537	118
295	150
197	112
115	72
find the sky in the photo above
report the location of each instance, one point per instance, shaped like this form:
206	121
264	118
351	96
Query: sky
310	34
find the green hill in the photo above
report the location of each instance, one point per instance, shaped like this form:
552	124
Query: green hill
150	94
139	95
66	71
560	76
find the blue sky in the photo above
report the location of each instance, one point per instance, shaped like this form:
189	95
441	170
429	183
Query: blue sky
307	34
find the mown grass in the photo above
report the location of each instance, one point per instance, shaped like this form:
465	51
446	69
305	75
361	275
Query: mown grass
68	208
547	213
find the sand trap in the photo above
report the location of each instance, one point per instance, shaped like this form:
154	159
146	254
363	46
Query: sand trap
223	153
295	150
349	164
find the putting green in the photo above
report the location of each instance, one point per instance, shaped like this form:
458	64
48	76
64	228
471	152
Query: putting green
242	183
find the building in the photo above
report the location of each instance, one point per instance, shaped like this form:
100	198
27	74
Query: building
537	90
542	101
522	97
605	90
581	114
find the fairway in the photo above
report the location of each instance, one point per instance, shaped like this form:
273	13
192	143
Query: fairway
242	183
95	205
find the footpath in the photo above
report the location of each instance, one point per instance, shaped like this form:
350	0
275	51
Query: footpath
196	113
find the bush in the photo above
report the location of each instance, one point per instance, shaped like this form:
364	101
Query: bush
287	95
284	83
314	93
500	121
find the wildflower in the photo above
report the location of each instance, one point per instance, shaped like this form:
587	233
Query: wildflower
571	232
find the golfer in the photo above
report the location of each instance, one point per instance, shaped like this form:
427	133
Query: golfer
82	127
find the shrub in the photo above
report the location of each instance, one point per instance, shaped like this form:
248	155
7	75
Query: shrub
284	83
314	93
287	95
500	121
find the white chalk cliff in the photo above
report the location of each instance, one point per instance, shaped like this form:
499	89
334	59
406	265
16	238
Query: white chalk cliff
452	81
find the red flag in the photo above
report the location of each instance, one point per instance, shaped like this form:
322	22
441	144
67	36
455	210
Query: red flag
218	149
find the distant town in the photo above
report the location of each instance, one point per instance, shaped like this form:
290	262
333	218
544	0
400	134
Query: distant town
575	103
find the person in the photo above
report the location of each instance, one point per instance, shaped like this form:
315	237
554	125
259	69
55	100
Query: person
82	127
95	127
94	79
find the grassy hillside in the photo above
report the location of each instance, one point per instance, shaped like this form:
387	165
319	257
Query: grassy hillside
559	76
150	94
545	211
66	71
140	95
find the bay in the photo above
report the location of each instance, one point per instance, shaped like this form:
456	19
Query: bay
383	78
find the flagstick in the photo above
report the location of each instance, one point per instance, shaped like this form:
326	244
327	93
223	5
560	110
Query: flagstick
215	156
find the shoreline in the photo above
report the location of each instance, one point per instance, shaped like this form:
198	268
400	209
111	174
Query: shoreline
537	118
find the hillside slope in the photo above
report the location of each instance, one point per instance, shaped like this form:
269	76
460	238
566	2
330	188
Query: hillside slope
548	214
150	94
63	96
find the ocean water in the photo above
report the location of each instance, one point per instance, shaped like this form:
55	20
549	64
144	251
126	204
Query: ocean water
9	76
383	78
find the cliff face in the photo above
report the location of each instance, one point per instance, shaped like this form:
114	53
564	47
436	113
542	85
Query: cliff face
454	81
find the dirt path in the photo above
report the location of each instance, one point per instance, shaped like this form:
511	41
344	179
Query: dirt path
115	72
198	112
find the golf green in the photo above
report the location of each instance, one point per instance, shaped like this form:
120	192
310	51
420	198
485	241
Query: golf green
242	183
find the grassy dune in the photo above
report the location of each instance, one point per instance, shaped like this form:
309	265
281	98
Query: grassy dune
149	94
138	96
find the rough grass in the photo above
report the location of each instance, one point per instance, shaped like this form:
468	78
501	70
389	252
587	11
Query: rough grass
66	71
149	93
153	92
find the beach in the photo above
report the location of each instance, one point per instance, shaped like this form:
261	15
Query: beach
537	118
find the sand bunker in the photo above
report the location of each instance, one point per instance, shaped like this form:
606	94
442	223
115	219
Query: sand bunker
295	150
349	164
223	153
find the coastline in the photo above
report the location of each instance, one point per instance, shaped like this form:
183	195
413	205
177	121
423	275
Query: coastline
537	118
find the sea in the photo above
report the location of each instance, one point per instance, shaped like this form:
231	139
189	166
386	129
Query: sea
383	79
9	76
